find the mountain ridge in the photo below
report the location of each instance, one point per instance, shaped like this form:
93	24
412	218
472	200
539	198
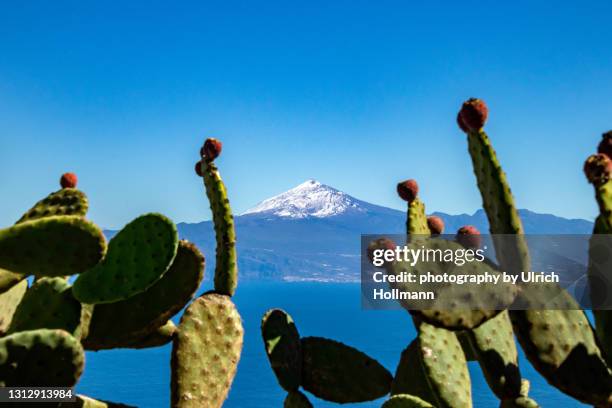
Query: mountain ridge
312	232
289	239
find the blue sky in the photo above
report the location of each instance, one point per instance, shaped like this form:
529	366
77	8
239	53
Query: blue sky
358	95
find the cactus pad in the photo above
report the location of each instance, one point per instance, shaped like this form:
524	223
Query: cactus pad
161	336
114	324
455	307
406	401
410	377
67	201
498	203
44	357
561	345
226	267
9	279
137	257
283	347
493	343
444	366
206	352
416	220
339	373
9	301
48	304
51	246
296	399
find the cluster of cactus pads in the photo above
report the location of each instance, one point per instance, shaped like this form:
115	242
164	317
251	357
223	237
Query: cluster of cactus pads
63	290
432	371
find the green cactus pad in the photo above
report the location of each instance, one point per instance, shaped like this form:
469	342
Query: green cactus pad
339	373
410	377
226	267
9	301
115	324
561	345
444	366
480	302
296	399
498	203
9	279
406	401
137	257
494	346
52	246
603	225
283	347
206	352
67	201
85	402
43	357
416	220
48	304
161	336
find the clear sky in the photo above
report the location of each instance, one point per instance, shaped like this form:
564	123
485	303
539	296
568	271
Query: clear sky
356	94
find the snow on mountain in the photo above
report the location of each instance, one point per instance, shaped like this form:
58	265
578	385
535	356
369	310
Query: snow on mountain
309	199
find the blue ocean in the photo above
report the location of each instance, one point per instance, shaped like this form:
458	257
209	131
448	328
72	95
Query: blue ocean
142	377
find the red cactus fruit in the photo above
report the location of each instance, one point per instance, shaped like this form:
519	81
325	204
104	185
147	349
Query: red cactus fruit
408	190
461	124
473	115
68	180
211	149
605	146
198	168
435	224
468	236
381	243
597	169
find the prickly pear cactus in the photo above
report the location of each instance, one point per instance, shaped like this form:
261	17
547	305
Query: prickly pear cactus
118	324
410	379
559	343
493	344
226	267
67	201
598	169
48	304
339	373
43	357
9	301
51	246
160	336
137	257
9	279
283	347
445	367
206	352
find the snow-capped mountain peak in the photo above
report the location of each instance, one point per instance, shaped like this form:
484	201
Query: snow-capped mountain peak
309	199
